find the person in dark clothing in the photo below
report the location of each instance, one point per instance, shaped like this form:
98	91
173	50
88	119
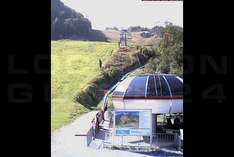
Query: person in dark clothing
94	128
176	123
169	123
100	63
97	121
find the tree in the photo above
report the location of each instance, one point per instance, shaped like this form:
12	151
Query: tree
66	22
169	54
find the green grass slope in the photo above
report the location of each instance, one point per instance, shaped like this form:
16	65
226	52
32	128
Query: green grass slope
74	64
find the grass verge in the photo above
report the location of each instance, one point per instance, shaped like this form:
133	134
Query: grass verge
73	64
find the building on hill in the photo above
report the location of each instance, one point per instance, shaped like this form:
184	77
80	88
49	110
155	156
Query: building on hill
146	34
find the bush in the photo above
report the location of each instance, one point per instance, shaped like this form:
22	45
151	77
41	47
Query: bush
168	57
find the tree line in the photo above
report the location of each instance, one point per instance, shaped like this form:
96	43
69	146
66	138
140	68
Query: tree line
66	22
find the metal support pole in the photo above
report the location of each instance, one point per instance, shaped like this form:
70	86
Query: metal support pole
154	124
151	140
139	138
121	140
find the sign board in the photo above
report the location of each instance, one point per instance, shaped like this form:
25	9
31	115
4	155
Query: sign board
133	122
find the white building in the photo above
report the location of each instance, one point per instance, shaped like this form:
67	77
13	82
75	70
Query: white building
162	93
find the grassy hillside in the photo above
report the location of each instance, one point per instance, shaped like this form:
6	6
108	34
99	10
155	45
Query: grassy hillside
112	35
74	64
137	39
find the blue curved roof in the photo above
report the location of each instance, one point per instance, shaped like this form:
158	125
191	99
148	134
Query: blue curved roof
151	85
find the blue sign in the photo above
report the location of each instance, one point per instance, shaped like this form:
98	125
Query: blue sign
133	122
122	132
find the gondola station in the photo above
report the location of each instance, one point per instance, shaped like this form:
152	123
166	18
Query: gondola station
147	113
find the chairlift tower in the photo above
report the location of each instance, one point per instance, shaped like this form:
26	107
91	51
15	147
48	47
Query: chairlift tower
123	40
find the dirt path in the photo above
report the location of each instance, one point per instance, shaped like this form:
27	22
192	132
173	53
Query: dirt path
65	144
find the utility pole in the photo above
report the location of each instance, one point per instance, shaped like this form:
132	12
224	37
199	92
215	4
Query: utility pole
125	39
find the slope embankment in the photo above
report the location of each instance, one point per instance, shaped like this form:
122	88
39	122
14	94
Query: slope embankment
118	65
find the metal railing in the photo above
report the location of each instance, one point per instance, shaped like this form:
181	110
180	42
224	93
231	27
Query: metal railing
159	140
164	137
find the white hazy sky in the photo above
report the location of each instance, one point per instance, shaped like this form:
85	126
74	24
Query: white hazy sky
125	13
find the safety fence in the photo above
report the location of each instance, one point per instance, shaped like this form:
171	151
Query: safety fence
158	140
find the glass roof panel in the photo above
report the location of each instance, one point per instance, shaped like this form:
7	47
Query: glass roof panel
121	88
137	86
164	87
176	85
158	85
151	91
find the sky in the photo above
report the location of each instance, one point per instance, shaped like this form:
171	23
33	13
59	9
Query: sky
126	13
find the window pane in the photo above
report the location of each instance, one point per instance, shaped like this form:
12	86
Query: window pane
165	89
137	86
175	85
158	86
151	87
